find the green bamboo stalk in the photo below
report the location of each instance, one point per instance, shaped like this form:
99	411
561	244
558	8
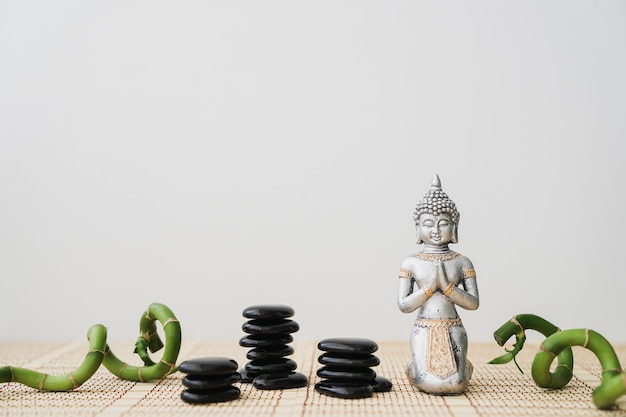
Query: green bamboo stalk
613	380
100	353
149	339
558	345
517	326
97	335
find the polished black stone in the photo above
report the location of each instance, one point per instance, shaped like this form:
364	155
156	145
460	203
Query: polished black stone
348	344
264	340
280	381
216	396
269	366
270	326
268	311
344	389
381	384
213	365
348	359
203	382
276	351
352	374
246	378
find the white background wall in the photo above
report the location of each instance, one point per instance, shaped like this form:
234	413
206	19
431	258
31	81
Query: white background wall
211	155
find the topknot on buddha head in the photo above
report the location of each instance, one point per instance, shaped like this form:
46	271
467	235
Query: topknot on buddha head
436	202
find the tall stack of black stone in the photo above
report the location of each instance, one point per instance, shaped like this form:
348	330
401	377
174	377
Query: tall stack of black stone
268	335
209	380
347	370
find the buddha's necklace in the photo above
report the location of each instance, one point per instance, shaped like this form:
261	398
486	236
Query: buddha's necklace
436	256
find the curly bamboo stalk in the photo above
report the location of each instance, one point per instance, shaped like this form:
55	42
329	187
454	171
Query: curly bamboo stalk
100	353
558	344
149	339
96	335
613	384
517	326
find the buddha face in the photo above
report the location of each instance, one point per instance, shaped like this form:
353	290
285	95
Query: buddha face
435	230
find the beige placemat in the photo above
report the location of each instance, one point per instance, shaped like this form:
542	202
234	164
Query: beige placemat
495	390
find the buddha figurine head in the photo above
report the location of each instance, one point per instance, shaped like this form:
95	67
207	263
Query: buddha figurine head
437	213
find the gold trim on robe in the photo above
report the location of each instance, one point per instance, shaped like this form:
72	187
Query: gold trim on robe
440	361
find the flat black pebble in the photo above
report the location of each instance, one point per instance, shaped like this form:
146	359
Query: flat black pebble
213	365
352	374
381	384
276	351
246	378
264	340
348	359
270	326
268	311
348	344
268	366
202	382
204	397
280	381
344	389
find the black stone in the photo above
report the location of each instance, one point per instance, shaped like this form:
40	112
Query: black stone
264	340
352	374
280	381
348	344
277	351
202	382
344	389
203	397
270	366
268	311
348	359
214	365
381	384
246	378
270	326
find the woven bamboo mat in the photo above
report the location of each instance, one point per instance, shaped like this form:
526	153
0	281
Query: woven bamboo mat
495	390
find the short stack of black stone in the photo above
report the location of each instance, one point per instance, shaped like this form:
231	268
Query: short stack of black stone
268	334
347	369
209	380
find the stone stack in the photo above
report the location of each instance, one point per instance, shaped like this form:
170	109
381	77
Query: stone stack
268	335
209	380
347	370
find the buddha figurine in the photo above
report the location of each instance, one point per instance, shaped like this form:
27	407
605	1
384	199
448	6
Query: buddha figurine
434	281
